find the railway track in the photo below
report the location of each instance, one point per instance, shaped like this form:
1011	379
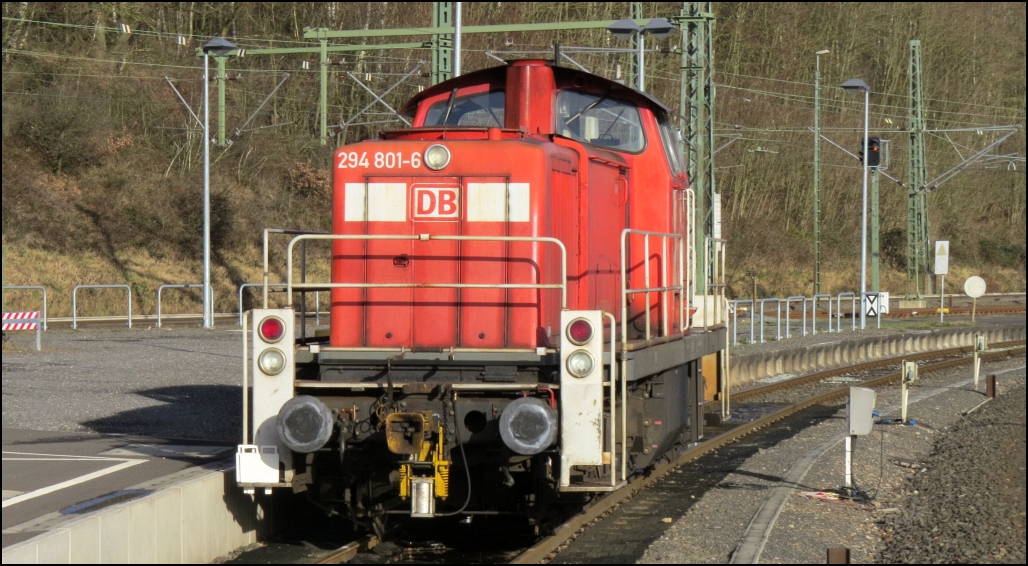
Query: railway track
349	551
881	372
546	549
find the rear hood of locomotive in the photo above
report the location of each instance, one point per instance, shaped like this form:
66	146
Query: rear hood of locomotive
384	191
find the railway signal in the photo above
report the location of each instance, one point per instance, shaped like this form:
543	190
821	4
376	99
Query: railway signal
874	152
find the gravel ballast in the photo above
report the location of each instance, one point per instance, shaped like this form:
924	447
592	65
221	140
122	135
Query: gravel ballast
710	530
971	507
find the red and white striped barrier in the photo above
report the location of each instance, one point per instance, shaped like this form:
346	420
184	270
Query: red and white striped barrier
23	321
20	321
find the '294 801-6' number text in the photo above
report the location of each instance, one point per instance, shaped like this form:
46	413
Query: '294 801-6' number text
381	160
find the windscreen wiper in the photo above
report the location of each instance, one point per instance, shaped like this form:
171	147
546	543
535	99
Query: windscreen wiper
449	105
592	105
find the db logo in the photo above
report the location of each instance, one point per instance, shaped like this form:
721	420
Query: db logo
436	203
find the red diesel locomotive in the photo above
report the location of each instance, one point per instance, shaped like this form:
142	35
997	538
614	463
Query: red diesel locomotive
512	291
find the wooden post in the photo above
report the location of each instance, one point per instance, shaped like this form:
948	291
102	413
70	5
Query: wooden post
838	556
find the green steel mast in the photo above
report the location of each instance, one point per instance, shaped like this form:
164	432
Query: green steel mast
697	106
917	176
442	44
635	12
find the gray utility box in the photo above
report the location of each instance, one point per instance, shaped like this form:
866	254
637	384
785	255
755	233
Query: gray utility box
859	411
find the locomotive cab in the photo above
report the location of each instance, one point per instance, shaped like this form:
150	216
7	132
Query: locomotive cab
512	281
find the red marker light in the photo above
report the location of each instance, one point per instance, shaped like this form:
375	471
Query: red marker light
580	331
272	329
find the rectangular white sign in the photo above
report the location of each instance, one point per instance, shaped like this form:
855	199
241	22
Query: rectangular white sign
942	257
871	305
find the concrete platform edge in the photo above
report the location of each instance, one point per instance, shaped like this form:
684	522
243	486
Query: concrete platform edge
197	520
748	368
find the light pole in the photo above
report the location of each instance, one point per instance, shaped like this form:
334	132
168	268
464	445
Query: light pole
817	170
219	47
854	86
625	29
456	38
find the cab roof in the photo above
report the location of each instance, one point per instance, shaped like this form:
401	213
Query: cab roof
563	78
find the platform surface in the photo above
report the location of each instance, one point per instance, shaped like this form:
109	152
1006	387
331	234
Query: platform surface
58	476
98	412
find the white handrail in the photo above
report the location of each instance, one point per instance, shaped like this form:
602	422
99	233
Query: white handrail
853	309
290	286
74	301
803	301
778	305
245	286
690	291
664	288
268	232
161	289
735	320
613	407
813	313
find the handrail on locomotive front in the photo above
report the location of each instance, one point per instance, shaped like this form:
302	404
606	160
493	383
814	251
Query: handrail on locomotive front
647	290
267	268
290	286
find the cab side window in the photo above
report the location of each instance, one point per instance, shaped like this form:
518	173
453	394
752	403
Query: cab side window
598	120
669	138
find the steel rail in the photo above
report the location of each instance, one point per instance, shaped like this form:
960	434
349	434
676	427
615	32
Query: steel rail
544	549
349	551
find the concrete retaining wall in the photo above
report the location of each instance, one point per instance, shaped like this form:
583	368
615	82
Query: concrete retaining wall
197	520
747	368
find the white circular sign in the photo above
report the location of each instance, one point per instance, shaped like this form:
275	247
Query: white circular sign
974	287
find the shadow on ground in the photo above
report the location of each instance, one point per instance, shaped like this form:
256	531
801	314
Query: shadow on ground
200	412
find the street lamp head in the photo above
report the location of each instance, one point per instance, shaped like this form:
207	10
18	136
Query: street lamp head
854	86
219	47
822	52
659	28
624	29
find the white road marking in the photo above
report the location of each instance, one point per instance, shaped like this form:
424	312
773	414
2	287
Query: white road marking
63	459
8	494
59	457
70	483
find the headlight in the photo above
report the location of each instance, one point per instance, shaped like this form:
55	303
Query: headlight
580	331
437	157
580	363
272	362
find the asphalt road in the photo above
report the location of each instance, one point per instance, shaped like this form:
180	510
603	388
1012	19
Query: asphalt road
169	383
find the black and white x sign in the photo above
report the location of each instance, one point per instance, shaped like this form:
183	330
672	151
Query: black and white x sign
871	304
